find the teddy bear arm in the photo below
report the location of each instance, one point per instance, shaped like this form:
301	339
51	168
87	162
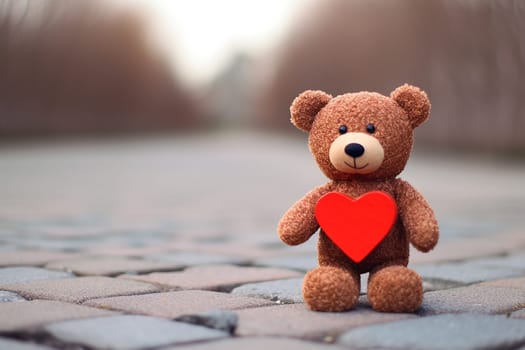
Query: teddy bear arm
298	224
417	217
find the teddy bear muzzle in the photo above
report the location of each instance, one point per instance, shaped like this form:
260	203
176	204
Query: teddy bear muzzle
356	153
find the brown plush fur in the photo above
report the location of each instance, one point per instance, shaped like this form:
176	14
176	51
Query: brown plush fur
334	286
329	288
404	286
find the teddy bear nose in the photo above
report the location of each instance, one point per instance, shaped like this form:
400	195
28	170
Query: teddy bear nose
354	150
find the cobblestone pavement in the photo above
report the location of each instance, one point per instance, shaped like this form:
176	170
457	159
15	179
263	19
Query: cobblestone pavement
170	243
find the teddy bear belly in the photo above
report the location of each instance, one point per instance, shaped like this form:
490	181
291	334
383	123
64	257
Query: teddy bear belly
393	249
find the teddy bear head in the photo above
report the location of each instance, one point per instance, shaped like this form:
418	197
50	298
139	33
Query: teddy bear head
363	135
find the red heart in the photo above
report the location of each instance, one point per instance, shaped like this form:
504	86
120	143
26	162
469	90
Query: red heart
356	226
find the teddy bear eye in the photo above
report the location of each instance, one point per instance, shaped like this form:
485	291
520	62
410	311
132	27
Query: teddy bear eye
371	128
343	129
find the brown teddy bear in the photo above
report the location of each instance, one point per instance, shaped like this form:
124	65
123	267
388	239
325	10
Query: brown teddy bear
367	216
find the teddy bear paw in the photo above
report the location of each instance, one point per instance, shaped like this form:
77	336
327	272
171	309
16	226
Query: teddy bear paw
395	289
330	289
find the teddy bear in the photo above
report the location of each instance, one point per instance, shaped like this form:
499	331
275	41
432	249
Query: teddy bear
367	216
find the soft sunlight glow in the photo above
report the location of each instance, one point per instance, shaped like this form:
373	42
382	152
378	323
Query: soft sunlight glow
203	35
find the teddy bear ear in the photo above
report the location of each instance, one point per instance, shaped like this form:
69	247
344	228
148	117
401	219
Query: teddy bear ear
306	106
414	101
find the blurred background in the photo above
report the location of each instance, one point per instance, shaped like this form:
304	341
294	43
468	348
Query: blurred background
133	123
112	67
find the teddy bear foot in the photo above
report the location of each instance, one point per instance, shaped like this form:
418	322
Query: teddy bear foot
330	289
395	289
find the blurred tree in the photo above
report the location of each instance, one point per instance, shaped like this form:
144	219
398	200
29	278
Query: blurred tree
81	66
468	55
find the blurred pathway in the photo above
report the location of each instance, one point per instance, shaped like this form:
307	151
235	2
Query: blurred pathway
94	234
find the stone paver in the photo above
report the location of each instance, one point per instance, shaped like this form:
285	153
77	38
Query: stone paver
464	272
216	277
258	343
301	262
31	257
123	250
242	250
512	261
476	298
444	332
198	258
27	314
295	320
518	314
112	266
129	332
175	304
281	291
462	249
77	290
10	275
11	344
508	283
6	247
222	320
6	297
38	241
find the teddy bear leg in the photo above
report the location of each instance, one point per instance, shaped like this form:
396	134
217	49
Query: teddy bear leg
395	289
331	289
